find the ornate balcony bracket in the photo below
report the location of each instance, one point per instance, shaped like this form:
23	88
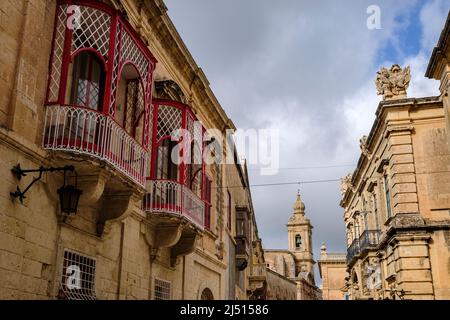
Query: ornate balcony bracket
115	207
161	236
93	186
185	246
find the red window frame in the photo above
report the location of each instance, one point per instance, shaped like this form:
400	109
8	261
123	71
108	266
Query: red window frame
92	57
207	200
66	56
157	142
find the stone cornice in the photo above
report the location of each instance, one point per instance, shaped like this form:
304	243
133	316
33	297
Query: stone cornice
381	127
438	56
174	47
411	223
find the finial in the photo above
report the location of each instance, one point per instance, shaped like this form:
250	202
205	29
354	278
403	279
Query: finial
323	248
392	83
299	206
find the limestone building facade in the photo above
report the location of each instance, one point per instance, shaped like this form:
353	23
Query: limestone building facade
92	92
333	271
296	263
397	200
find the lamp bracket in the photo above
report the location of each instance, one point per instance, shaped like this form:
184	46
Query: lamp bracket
18	172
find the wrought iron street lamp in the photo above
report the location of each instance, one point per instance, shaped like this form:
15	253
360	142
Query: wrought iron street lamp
69	195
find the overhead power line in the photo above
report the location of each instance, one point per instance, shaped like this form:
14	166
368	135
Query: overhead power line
310	167
286	183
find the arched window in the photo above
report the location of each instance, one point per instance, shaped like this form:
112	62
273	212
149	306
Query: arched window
130	102
207	295
166	168
298	241
86	81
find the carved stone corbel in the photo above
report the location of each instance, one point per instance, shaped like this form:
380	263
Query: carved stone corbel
161	236
185	246
115	207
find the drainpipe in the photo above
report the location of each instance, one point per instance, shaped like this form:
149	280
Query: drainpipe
119	282
183	277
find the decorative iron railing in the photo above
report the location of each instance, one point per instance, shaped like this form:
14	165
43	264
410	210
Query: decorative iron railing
85	131
353	250
166	196
369	239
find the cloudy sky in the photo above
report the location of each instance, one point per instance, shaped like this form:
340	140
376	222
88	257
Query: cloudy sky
306	68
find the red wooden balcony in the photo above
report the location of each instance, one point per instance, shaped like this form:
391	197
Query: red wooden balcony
98	99
84	131
177	181
167	196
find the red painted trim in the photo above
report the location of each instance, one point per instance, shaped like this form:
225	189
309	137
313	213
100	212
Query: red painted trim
183	147
186	112
203	160
65	63
91	3
118	65
137	39
95	52
154	144
89	74
52	54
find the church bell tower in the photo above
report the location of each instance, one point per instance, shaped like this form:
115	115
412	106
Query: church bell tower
300	241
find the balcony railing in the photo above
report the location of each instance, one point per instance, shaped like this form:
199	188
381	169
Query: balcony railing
85	131
369	239
353	250
166	196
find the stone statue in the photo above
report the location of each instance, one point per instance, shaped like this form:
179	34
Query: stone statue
393	83
346	182
363	146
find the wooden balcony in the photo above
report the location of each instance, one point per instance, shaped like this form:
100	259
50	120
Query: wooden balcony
84	131
173	198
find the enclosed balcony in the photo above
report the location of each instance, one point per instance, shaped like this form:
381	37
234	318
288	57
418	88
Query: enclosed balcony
242	237
177	185
353	251
98	102
369	239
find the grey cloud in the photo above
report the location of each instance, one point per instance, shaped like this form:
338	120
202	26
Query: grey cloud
297	65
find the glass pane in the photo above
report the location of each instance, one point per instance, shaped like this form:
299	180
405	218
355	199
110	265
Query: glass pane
94	89
80	79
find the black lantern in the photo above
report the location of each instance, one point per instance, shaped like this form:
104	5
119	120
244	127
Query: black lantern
69	196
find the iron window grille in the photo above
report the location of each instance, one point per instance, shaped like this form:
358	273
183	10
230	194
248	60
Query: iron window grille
162	289
78	277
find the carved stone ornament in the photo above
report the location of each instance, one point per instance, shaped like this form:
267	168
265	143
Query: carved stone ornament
405	220
364	148
393	83
346	183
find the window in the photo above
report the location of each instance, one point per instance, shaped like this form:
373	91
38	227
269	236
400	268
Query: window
166	169
375	210
207	294
162	289
229	210
207	198
242	223
298	241
388	196
130	101
87	84
78	277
